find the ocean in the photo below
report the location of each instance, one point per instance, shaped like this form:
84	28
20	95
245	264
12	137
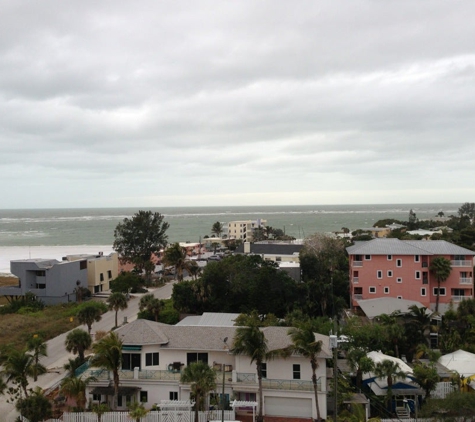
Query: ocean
53	233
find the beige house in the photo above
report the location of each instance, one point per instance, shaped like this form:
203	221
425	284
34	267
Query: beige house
101	269
243	229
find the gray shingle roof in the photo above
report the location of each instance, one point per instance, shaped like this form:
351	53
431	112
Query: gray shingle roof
386	305
390	246
206	338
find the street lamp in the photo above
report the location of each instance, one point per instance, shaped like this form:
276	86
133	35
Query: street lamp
225	339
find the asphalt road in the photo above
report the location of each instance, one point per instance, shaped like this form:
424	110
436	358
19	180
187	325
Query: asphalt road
58	356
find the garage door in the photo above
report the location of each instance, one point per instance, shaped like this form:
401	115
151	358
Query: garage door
283	406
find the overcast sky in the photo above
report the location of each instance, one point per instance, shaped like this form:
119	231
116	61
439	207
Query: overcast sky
190	103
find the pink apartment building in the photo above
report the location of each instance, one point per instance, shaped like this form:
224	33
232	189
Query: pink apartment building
400	269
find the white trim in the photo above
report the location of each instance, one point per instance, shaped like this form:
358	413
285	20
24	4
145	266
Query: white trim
399	280
390	273
372	287
399	261
440	293
386	290
389	257
423	291
379	274
417	275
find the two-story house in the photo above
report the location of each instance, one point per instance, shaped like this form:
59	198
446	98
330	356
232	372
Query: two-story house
50	280
155	353
401	269
101	269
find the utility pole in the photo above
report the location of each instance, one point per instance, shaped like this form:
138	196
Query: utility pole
223	400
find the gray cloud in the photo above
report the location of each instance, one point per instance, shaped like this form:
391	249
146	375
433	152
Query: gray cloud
204	103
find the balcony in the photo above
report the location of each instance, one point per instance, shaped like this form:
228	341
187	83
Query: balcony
356	280
456	298
357	263
357	297
425	264
466	280
277	384
461	263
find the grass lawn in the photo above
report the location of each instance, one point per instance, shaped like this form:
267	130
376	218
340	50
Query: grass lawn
16	329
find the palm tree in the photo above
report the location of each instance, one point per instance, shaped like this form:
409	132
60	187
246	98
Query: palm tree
78	341
389	370
149	303
137	410
108	355
202	379
393	329
217	229
99	409
194	270
88	315
117	302
359	362
304	344
36	345
17	367
175	256
441	267
251	341
75	387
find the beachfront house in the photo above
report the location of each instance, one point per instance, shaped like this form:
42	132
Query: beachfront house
155	353
401	269
50	280
101	269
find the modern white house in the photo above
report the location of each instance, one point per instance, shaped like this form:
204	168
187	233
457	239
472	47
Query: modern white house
155	353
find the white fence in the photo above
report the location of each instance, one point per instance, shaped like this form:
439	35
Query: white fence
162	416
442	389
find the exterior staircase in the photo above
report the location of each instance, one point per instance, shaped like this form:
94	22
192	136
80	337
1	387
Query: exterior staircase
402	413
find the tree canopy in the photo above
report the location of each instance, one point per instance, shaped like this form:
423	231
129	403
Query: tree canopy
236	284
137	238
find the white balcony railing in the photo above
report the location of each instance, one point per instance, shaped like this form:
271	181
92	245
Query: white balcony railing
456	298
357	263
357	297
356	280
461	263
278	384
466	280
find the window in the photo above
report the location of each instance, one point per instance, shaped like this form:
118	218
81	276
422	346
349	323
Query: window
390	257
386	290
296	371
101	277
196	357
40	273
144	396
130	361
372	289
358	290
96	397
367	257
398	262
151	359
109	274
390	273
423	291
264	370
399	280
379	274
458	292
399	297
441	291
418	275
40	285
278	258
83	265
417	258
173	395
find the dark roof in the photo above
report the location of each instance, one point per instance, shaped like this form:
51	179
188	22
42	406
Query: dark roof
272	248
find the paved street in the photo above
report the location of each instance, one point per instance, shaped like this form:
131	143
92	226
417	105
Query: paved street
58	356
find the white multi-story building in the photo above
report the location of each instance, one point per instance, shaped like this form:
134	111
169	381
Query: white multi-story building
154	354
243	229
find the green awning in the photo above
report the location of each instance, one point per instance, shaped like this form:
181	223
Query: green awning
132	348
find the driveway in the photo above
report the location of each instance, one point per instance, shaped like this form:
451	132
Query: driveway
58	356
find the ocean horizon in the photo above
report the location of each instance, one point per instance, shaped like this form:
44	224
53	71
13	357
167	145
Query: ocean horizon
48	233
